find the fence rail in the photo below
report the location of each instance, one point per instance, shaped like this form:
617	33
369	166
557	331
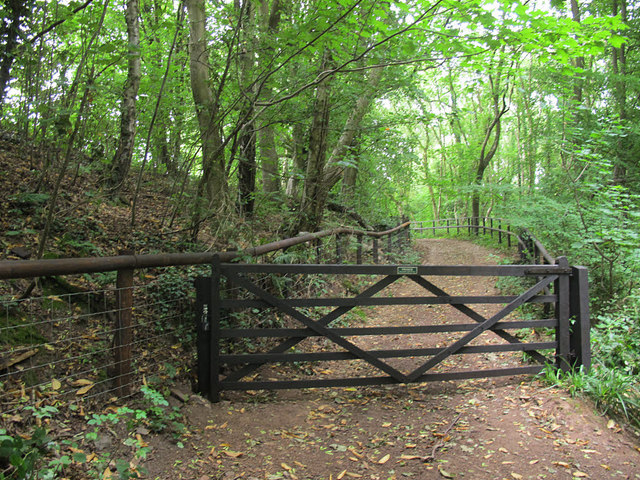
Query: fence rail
530	248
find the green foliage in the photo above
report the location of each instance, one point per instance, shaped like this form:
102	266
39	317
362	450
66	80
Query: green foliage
19	456
612	381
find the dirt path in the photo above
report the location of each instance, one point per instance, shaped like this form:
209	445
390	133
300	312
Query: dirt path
507	428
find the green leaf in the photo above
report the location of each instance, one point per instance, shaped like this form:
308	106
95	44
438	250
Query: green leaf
617	41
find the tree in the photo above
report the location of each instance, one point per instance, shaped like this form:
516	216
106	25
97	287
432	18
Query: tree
212	188
128	115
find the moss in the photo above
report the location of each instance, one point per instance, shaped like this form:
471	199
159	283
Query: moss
18	331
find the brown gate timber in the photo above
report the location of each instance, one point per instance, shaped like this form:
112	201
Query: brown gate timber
569	295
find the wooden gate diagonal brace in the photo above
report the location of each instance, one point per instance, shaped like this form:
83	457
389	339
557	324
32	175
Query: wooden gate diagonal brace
471	313
314	325
326	320
486	325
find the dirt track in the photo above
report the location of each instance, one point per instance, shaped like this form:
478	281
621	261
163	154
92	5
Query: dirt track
513	428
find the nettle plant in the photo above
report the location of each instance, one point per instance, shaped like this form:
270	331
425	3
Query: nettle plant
41	457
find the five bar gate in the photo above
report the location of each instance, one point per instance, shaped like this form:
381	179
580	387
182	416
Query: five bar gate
570	322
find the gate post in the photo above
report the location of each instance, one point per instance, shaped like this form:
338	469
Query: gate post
563	333
203	328
214	339
580	335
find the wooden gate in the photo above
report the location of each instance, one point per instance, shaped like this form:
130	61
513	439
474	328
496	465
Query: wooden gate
569	344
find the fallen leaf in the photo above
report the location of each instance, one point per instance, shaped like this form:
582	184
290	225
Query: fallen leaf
444	473
562	464
55	384
141	442
341	474
580	474
386	424
81	381
285	466
410	457
533	462
232	454
517	476
384	459
85	389
611	424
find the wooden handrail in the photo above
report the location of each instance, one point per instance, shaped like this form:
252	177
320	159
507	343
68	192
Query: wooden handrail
10	269
543	251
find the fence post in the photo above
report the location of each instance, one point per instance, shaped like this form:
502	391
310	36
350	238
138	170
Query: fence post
203	328
447	227
500	232
433	224
318	244
484	225
509	236
563	333
123	337
491	227
580	334
375	250
214	327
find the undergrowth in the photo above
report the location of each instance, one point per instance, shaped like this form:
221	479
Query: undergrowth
613	382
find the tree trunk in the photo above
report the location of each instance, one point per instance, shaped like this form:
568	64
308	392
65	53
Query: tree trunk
299	161
128	116
319	182
351	127
9	33
578	61
619	67
247	142
213	183
492	130
314	194
270	160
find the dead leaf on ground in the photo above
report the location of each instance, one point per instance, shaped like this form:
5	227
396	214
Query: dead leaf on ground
232	454
444	473
85	389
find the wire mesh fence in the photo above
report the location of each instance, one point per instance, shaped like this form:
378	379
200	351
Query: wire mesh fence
68	346
71	341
